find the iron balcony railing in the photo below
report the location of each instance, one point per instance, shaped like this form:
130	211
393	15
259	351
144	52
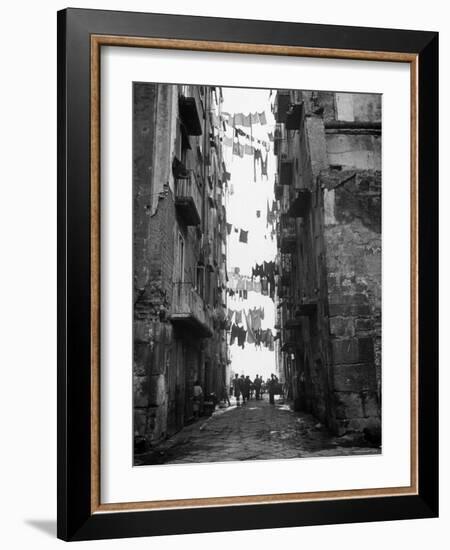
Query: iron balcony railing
188	199
189	308
287	234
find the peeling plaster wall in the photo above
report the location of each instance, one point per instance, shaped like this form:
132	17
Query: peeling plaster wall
168	359
352	234
337	262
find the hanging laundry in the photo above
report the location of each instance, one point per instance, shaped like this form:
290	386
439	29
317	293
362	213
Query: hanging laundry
258	213
262	118
254	118
238	149
270	136
238	317
250	334
264	287
236	230
234	333
241	337
227	141
238	119
243	236
248	149
264	165
246	121
255	316
229	226
214	119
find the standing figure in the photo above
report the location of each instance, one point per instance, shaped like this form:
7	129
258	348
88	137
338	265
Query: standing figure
273	382
242	388
237	388
247	387
197	404
225	396
257	384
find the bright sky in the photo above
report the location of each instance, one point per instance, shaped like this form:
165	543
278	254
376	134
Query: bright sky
248	197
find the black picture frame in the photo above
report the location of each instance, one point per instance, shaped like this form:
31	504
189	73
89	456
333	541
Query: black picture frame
76	521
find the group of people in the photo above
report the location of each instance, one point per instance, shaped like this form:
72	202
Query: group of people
244	387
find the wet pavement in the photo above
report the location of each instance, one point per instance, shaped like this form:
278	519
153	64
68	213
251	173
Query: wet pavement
254	431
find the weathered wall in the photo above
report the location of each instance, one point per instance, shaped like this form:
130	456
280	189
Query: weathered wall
336	154
353	257
153	247
168	358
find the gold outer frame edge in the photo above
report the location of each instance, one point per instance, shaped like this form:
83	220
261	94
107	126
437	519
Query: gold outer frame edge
97	41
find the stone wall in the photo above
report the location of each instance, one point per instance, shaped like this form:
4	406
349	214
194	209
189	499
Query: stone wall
336	154
167	357
352	233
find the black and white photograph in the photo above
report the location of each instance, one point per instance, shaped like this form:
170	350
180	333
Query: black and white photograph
256	273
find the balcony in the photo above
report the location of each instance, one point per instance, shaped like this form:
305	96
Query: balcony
282	103
294	117
188	310
278	189
277	139
292	322
286	171
188	200
299	207
189	115
306	309
287	235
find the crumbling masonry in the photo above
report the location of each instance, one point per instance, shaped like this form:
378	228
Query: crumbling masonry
179	256
328	148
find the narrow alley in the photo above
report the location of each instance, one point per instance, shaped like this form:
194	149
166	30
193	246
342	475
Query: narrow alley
254	431
257	267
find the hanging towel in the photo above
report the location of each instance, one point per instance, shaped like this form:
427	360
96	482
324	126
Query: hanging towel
243	236
264	165
238	119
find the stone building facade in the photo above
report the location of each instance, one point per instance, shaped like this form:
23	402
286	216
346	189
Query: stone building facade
179	254
328	184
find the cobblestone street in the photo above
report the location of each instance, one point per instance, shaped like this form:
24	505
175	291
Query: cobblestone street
254	431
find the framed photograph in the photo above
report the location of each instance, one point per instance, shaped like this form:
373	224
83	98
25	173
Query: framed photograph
247	274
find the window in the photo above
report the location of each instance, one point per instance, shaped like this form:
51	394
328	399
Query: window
200	280
179	263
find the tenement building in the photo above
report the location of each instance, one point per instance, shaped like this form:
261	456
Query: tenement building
179	254
328	185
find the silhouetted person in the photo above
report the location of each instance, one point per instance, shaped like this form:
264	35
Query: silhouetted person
197	399
272	387
257	383
242	388
247	385
237	388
